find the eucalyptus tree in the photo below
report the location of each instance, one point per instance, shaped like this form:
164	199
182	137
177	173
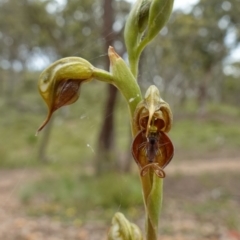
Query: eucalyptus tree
46	30
192	51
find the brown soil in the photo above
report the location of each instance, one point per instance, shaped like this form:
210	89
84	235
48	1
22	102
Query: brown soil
15	224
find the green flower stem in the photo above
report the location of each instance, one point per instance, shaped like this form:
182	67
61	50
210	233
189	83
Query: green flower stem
124	80
146	187
151	232
152	193
155	206
134	58
103	75
133	63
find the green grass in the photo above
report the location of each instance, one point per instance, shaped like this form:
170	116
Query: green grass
70	196
67	189
195	133
80	122
77	198
79	125
17	143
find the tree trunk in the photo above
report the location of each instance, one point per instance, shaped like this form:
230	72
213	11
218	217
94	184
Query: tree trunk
106	156
203	93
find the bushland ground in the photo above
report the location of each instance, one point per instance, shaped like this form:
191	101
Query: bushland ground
61	198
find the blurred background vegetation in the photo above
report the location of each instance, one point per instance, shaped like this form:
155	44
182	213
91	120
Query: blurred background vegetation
193	62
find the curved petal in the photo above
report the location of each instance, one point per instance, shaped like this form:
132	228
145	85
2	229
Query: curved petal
153	109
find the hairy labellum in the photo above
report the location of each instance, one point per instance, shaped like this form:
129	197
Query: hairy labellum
153	151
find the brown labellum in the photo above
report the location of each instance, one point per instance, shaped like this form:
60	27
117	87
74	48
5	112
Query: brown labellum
66	92
153	151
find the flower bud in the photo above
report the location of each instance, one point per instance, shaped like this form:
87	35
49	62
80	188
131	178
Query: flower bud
60	83
122	229
144	22
143	15
159	14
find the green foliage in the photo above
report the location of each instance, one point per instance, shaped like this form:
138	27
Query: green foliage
215	136
212	134
47	29
231	89
191	67
17	143
206	135
189	58
57	193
